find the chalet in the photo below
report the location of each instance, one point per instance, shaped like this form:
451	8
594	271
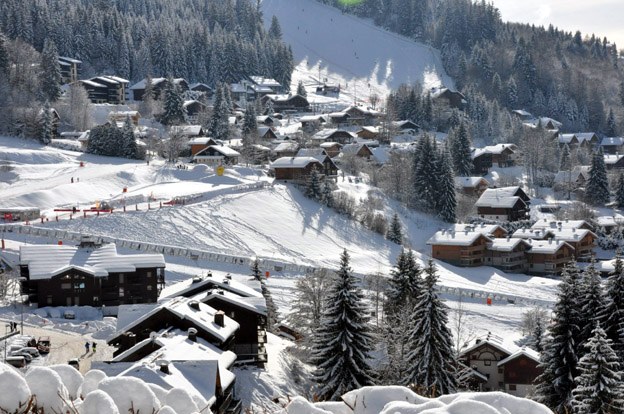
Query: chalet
89	275
605	223
217	155
242	91
201	88
508	254
503	204
548	257
329	167
359	115
271	84
120	116
359	150
407	127
192	109
613	145
522	115
339	119
587	140
286	149
503	155
70	69
368	132
332	148
546	123
333	135
445	99
106	89
533	234
200	143
583	242
563	224
614	162
287	102
499	366
465	249
568	139
295	169
266	120
188	131
310	120
266	133
481	162
570	180
158	85
474	186
489	230
328	88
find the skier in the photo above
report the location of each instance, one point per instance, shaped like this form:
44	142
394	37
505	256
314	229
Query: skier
94	347
72	180
87	347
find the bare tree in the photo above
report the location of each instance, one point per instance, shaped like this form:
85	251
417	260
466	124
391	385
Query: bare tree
376	284
175	145
463	334
80	107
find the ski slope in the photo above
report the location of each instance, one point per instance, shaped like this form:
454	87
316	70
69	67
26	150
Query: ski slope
349	51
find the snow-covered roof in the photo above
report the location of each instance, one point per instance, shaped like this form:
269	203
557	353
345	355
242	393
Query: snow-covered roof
70	60
330	144
193	101
354	148
282	97
200	141
544	120
112	79
609	221
92	83
571	235
532	234
495	200
526	352
186	130
611	159
565	224
566	138
311	152
612	141
323	134
245	286
470	182
363	110
485	229
196	84
311	118
452	238
500	148
564	177
293	162
549	246
287	146
223	150
123	114
253	304
262	81
491	340
585	136
522	112
506	244
46	261
155	81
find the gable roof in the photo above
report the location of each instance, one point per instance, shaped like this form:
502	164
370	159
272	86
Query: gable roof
187	130
563	177
499	198
294	162
565	224
549	246
567	138
532	233
286	146
485	229
452	238
612	141
224	150
311	152
470	182
506	244
612	159
355	148
523	352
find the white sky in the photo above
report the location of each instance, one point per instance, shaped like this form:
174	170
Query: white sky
602	17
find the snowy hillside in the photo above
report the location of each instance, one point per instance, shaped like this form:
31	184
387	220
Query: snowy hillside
351	52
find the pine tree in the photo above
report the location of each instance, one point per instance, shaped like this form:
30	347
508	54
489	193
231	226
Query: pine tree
599	389
621	94
268	107
271	309
431	362
559	358
129	141
219	125
612	128
313	185
46	124
301	90
250	123
275	30
256	273
173	113
565	163
538	336
148	97
446	202
461	152
597	189
405	281
50	72
395	233
614	308
327	193
423	174
619	192
592	302
343	344
4	54
512	93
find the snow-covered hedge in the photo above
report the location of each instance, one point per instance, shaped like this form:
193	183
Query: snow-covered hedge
401	400
61	388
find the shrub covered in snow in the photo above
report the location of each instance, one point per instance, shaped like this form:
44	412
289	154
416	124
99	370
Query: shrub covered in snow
400	400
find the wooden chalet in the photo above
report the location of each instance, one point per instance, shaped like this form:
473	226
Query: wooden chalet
192	110
359	150
217	155
568	139
508	254
474	186
106	89
286	149
498	366
614	162
503	204
158	85
327	88
481	162
445	99
266	134
522	115
89	275
583	241
331	148
407	127
588	140
562	224
329	167
296	103
295	169
464	249
308	121
120	116
548	257
338	119
571	180
199	144
333	135
70	69
546	123
201	88
489	230
368	132
269	83
266	120
359	115
613	145
187	131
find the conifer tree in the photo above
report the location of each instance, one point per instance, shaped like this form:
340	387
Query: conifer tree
46	124
597	189
431	362
619	192
4	54
148	97
301	90
343	343
313	187
50	72
129	141
423	174
395	234
250	123
256	273
599	389
612	128
271	309
327	193
512	93
461	152
446	201
404	284
173	111
613	319
565	162
275	30
219	125
559	358
268	107
591	303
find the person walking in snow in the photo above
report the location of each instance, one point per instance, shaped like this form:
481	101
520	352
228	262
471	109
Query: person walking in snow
94	345
87	347
72	180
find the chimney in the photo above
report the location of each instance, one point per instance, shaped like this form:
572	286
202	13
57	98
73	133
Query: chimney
194	304
219	318
197	279
228	276
192	334
164	368
209	274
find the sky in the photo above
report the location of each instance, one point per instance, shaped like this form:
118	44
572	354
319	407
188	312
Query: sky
602	17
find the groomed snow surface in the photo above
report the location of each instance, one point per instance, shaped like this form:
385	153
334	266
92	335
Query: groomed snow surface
400	400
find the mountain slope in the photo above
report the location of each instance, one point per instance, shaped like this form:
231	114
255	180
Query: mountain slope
350	51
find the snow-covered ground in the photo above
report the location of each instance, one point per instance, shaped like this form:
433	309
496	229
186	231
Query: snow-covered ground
351	52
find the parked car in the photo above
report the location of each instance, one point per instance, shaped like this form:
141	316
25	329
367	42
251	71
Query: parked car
17	361
30	350
23	354
74	363
43	344
69	314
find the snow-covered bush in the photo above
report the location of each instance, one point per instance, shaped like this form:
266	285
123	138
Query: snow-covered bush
47	388
128	392
15	392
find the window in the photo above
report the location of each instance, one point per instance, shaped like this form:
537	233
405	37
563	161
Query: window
512	387
148	274
65	285
487	362
232	314
79	287
121	292
96	299
49	299
121	278
150	287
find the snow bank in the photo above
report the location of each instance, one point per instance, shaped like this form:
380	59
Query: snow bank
46	385
130	392
91	381
181	401
400	400
98	402
71	377
15	391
